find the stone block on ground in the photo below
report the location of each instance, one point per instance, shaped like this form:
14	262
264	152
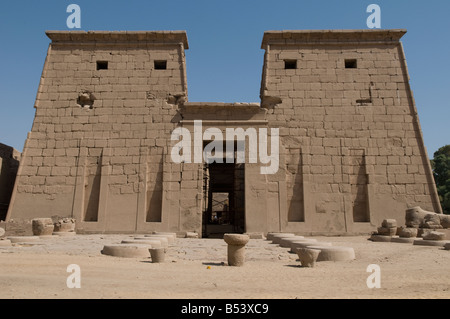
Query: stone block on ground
63	224
431	221
389	223
236	248
384	231
127	250
437	243
445	221
307	256
42	226
304	244
163	240
434	235
2	232
381	238
334	253
270	235
170	238
407	232
157	254
414	216
151	243
191	235
285	242
276	239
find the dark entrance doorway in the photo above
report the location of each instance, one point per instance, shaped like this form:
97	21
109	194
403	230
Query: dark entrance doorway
223	192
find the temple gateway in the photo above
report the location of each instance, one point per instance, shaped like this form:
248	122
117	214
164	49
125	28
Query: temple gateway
349	142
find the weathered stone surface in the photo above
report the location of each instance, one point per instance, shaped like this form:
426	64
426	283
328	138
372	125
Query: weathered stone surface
403	240
387	231
157	254
308	256
63	224
286	241
304	244
434	236
389	223
5	242
445	220
380	238
407	232
170	238
23	239
192	235
276	238
236	239
334	253
431	221
95	164
2	232
236	248
42	226
269	236
435	243
163	240
447	246
126	250
417	217
150	243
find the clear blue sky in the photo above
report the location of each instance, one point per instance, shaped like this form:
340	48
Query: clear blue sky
224	62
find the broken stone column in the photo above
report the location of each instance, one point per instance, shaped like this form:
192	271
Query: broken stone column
157	254
307	256
407	232
64	224
42	226
417	217
388	227
236	248
434	235
407	235
126	250
432	238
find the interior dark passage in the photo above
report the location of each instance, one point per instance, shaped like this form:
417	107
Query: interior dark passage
223	191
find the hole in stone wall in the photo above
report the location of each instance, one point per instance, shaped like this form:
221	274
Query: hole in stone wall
161	65
351	64
102	65
290	64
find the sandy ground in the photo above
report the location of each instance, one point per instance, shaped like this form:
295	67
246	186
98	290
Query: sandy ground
196	269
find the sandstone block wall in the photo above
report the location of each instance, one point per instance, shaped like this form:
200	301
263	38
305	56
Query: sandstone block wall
347	110
351	147
103	162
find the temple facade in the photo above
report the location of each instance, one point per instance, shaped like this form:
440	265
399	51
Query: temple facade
333	147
